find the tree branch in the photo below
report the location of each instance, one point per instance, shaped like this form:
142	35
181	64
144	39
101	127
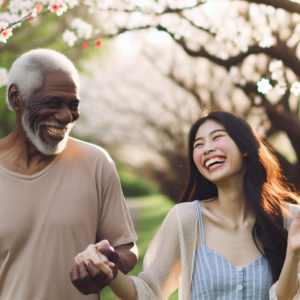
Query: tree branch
287	5
279	51
282	120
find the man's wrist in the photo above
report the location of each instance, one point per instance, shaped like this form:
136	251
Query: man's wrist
127	260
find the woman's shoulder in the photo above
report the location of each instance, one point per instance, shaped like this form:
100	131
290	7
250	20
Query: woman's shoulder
186	207
186	213
293	209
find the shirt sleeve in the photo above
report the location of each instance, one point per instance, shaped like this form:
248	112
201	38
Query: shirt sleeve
273	295
166	257
293	210
115	224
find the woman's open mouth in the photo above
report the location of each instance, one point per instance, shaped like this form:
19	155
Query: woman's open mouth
214	163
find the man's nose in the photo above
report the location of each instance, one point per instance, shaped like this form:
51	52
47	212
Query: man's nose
65	116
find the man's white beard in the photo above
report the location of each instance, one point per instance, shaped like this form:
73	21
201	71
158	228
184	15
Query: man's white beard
49	146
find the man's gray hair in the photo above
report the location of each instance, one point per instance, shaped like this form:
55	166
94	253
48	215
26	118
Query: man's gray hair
29	70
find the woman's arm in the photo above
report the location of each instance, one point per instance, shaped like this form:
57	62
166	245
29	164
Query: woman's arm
123	287
162	261
287	285
107	260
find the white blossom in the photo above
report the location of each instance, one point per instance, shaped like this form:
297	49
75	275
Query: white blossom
34	13
91	10
234	72
3	77
267	42
15	6
90	3
275	65
10	18
295	88
69	37
277	75
44	2
72	3
84	30
264	86
280	89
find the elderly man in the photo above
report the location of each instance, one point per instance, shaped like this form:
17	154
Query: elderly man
58	194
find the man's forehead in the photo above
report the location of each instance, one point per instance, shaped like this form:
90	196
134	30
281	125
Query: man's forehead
61	81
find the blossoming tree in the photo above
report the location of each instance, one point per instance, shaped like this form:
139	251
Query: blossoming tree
254	44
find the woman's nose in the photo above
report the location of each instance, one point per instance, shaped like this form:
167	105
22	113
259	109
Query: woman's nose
208	148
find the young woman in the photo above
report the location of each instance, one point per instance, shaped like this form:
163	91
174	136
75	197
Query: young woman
237	234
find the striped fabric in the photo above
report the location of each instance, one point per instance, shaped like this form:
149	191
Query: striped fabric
215	278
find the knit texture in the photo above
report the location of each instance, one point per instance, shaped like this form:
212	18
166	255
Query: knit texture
169	260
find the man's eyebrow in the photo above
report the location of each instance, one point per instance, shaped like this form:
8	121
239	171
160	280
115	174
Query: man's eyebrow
52	97
200	138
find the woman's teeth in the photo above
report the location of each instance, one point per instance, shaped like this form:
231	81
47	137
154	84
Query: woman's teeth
213	161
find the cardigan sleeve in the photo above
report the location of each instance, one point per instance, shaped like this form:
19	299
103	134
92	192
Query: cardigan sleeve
169	250
293	210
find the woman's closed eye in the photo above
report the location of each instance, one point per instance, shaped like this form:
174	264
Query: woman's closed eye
217	136
197	145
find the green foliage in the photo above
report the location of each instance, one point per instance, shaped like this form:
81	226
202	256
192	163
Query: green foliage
7	117
152	211
134	185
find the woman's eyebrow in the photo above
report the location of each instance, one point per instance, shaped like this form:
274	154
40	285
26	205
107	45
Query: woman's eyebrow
200	138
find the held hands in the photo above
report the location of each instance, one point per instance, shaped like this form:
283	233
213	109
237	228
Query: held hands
93	271
294	238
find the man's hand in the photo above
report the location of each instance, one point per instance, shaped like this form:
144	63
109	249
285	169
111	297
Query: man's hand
93	271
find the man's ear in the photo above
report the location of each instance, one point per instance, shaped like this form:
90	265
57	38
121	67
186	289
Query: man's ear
14	97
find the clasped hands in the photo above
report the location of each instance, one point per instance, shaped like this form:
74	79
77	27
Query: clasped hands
95	268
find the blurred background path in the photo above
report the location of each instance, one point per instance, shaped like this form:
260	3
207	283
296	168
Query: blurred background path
134	207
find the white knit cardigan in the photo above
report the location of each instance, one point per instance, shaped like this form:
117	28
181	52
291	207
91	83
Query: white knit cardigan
169	260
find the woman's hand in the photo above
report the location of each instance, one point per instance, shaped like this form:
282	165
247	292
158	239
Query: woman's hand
294	238
97	258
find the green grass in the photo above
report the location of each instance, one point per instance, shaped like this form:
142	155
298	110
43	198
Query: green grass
150	217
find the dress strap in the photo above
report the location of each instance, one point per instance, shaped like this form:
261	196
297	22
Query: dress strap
198	207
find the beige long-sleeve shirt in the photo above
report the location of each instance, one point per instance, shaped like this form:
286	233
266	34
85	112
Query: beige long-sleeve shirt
169	260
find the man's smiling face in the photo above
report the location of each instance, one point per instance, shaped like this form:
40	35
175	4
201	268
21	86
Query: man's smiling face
51	112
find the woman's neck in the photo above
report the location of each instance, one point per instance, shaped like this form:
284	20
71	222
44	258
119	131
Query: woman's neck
231	203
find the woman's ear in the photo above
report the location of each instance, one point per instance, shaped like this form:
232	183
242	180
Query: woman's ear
14	97
245	154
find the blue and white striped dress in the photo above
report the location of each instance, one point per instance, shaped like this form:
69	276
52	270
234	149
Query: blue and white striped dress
215	278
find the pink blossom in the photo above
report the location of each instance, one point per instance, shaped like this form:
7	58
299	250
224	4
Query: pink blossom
4	33
58	6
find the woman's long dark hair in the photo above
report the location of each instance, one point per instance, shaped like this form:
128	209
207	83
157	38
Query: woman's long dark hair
264	186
